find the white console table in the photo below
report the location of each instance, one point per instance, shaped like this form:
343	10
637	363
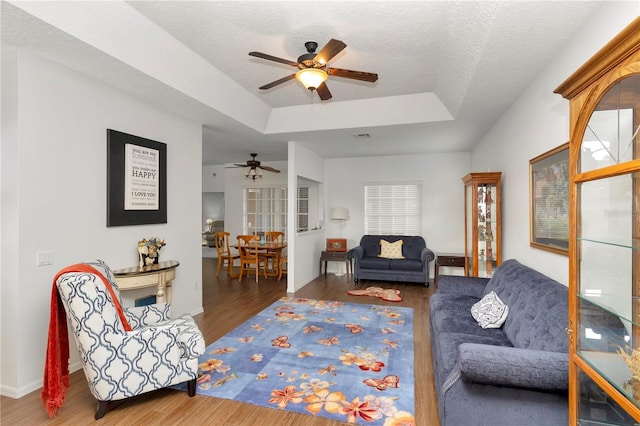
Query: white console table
159	276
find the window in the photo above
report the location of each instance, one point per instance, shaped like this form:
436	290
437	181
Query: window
265	209
303	209
393	209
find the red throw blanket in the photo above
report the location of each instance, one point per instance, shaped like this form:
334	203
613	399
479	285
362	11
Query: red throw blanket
56	366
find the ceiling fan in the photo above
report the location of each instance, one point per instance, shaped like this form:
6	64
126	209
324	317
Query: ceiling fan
254	164
313	70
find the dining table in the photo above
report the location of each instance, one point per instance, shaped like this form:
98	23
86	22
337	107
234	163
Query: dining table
275	247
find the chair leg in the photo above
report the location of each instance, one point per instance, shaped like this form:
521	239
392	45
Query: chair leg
191	385
220	261
101	410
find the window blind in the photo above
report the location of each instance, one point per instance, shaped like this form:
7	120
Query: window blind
393	209
303	209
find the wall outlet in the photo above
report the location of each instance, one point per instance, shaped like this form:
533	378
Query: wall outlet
44	258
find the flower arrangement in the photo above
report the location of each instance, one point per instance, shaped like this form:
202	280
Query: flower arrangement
632	360
149	251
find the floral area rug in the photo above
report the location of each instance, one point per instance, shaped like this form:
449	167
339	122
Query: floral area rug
388	294
344	361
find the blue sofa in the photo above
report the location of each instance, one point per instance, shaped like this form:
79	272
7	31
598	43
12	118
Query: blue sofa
513	375
413	268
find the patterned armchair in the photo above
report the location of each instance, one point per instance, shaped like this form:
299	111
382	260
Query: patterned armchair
157	353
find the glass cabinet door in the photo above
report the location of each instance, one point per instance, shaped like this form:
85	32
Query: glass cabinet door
487	229
604	234
468	223
482	223
608	258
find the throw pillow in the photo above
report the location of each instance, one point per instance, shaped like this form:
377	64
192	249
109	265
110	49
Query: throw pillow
490	311
391	250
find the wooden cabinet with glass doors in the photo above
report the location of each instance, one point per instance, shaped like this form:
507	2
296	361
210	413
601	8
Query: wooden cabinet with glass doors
604	234
483	227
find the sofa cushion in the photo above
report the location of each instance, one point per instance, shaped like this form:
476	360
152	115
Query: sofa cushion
456	321
451	302
447	354
461	285
490	311
538	307
405	265
374	263
514	367
391	250
412	247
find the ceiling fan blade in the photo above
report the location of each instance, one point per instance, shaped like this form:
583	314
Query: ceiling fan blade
275	83
355	75
269	169
273	58
323	92
240	165
331	49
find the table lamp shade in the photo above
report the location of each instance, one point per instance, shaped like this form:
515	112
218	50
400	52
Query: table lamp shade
339	213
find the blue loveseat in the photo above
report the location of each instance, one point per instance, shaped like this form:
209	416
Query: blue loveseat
413	268
513	375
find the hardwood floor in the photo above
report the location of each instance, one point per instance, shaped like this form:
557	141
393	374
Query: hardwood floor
227	304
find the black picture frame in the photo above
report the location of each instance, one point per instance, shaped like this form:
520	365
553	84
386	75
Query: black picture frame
116	213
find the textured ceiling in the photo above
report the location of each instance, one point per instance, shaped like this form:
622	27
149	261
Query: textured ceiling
447	70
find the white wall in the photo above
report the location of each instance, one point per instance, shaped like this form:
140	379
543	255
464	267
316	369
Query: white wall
213	178
54	198
537	122
305	247
212	207
442	194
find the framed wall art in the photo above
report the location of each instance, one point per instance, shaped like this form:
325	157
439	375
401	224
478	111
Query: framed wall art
136	180
549	200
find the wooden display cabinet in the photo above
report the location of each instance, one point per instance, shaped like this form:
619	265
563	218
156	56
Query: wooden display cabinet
604	232
483	225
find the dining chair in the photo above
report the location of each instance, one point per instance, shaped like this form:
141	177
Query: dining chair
221	242
282	261
250	255
270	256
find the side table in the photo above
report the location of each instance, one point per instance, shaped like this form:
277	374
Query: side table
449	259
335	256
159	276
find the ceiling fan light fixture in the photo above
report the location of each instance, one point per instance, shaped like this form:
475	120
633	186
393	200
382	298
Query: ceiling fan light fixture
311	78
253	174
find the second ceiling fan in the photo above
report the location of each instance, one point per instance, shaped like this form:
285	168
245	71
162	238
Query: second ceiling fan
255	164
312	68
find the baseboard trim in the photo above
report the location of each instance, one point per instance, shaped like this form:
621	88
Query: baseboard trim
17	393
196	311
